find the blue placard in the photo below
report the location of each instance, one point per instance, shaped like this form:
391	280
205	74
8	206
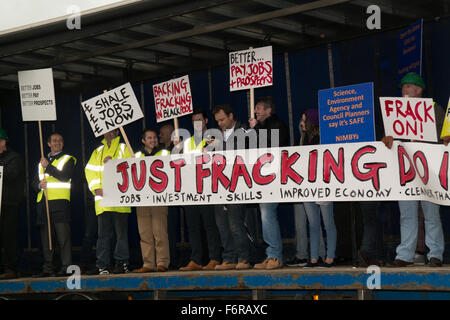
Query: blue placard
410	50
346	114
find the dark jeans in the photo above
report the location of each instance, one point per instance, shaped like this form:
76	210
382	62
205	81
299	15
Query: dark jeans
230	222
172	223
60	231
110	223
372	240
9	223
89	237
194	217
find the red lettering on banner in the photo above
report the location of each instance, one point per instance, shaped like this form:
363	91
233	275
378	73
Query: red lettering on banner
286	170
423	159
201	173
218	165
239	169
139	183
158	187
177	164
405	177
312	171
443	172
122	168
336	167
256	172
374	167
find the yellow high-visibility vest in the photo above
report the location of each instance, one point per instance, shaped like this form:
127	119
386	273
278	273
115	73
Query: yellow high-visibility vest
56	189
94	170
162	152
190	147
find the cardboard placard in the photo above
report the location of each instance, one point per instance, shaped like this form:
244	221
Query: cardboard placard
37	95
410	49
112	109
446	127
409	118
173	99
252	68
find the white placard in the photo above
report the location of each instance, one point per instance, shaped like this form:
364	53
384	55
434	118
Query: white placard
409	118
37	95
173	99
363	171
112	109
252	68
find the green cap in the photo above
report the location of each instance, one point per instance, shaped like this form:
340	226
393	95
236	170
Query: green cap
3	134
412	78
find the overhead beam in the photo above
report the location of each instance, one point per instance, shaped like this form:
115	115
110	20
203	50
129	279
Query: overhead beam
105	27
192	32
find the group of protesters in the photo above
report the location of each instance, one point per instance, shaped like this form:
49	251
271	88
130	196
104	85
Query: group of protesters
222	226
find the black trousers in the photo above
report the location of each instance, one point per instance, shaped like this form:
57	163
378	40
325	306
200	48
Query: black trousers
195	215
60	231
9	223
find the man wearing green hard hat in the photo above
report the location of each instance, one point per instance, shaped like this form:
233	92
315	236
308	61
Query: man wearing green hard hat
12	195
413	86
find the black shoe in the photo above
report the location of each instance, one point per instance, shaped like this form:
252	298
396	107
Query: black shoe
62	273
9	274
435	263
296	262
44	275
312	265
121	267
97	271
397	263
328	265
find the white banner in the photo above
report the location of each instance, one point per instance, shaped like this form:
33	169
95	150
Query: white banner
112	109
409	118
37	95
346	172
252	68
173	99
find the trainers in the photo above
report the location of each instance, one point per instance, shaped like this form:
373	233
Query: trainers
269	264
419	259
296	262
435	263
243	265
103	271
226	265
211	265
310	264
96	271
121	267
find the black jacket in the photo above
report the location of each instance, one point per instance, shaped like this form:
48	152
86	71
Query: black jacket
13	177
59	209
273	122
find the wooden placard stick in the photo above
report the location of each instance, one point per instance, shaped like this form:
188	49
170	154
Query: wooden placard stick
252	101
45	190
